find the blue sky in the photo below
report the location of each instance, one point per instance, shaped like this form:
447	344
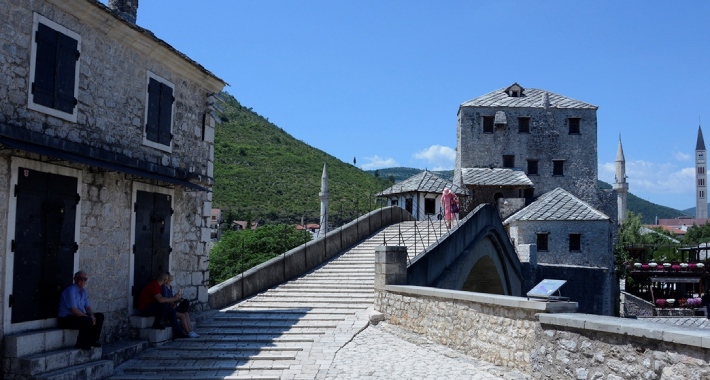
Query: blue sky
382	81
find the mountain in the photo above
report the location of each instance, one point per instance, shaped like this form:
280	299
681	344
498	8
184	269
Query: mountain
400	174
648	210
264	174
691	211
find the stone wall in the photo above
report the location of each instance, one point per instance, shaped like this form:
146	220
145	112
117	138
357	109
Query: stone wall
596	244
634	306
535	338
548	140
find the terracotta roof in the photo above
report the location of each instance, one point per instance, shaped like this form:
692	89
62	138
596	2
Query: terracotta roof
494	177
531	97
424	182
557	204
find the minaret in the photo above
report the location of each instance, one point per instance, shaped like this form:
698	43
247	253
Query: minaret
324	197
620	185
701	200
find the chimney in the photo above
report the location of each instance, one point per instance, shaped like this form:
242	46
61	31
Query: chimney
128	9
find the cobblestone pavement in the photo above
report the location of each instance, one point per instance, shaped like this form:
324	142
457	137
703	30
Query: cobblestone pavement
389	352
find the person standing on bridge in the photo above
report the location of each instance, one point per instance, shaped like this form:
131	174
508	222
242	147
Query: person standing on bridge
450	204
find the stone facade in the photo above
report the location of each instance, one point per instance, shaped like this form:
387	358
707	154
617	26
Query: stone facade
595	244
106	150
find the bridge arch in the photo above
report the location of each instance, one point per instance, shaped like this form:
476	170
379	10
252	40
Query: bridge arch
475	256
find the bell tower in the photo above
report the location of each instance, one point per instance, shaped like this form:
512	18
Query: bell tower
701	196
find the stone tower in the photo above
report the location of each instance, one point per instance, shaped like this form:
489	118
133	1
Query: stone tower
701	201
620	184
324	197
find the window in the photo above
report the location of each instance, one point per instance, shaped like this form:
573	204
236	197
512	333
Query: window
54	69
488	124
701	182
429	206
395	202
532	167
574	125
514	94
508	161
542	241
558	168
701	194
409	205
159	113
701	170
575	242
523	125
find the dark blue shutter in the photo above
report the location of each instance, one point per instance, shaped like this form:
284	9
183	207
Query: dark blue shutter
166	113
45	64
153	122
67	56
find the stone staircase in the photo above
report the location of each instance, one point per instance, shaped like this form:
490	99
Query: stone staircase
50	354
290	331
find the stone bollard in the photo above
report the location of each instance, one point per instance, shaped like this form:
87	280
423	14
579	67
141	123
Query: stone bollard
390	269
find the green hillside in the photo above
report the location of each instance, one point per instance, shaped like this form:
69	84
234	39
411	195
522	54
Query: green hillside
264	174
691	211
400	174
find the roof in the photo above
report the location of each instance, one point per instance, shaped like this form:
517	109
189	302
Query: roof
531	97
494	177
143	31
700	145
678	222
558	204
424	182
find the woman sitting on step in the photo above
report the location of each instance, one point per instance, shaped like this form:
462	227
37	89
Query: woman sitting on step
181	309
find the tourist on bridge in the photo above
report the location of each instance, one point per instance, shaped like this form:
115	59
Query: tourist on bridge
75	313
153	304
450	204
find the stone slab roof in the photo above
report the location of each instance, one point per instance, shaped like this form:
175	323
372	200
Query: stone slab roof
531	97
424	182
494	177
557	204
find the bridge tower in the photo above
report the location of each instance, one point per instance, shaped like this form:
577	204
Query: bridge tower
324	196
620	185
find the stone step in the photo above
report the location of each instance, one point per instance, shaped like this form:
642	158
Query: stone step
254	338
312	300
322	294
169	357
265	317
275	305
37	341
99	369
119	352
238	331
52	360
241	309
315	286
229	348
170	372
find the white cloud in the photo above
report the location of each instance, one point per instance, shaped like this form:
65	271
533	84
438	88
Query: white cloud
680	156
649	177
437	156
377	162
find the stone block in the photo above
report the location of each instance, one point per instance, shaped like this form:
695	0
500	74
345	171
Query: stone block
24	344
141	322
154	336
70	337
54	339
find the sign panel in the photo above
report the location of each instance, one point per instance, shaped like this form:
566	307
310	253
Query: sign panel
546	288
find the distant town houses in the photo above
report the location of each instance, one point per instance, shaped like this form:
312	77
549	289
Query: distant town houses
106	161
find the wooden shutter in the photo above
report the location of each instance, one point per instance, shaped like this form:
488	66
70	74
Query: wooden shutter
67	56
153	122
166	113
45	64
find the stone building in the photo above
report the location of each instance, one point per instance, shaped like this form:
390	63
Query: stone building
420	194
701	177
543	139
106	160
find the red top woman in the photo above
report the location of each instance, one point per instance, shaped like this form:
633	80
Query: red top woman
448	199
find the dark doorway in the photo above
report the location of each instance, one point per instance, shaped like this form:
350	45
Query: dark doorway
44	243
408	205
152	239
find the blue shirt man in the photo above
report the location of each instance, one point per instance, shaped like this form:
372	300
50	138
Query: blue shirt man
75	313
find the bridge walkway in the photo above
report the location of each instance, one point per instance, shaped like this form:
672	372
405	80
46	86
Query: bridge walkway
291	331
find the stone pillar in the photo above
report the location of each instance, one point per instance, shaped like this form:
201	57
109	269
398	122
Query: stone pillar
390	269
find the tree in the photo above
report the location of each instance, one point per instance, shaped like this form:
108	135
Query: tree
377	173
239	251
390	178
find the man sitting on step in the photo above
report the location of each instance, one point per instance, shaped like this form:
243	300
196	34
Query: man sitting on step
153	304
75	313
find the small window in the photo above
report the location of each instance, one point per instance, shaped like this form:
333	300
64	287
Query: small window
574	125
488	124
575	242
395	202
701	170
523	125
430	206
54	69
558	168
701	194
701	182
409	205
542	242
514	94
508	161
159	113
532	167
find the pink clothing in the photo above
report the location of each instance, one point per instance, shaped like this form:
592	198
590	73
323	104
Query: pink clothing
448	199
